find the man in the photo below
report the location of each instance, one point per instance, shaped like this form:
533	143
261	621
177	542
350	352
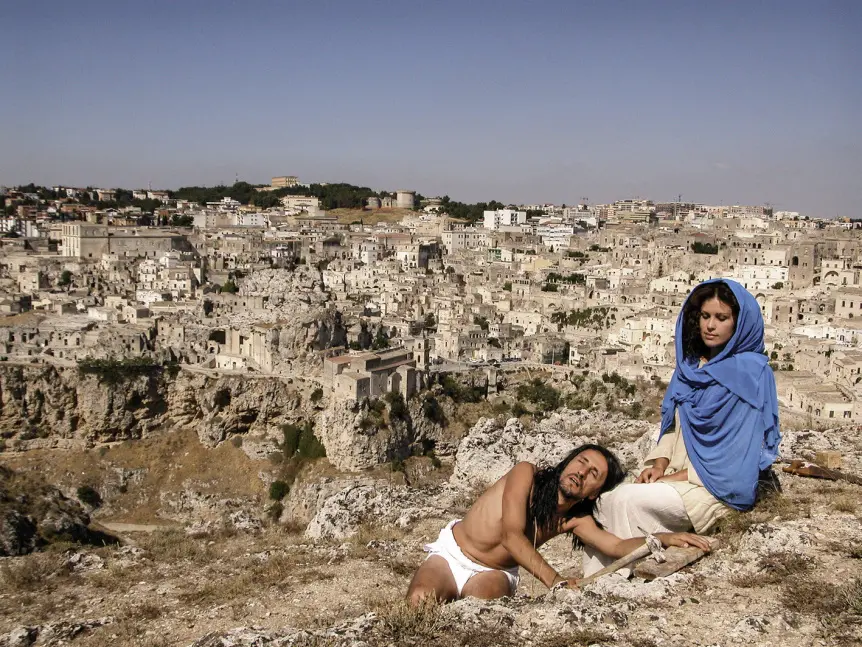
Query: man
479	556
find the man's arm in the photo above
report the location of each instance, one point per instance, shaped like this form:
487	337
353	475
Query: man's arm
516	499
589	533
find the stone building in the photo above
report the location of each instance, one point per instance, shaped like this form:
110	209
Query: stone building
370	375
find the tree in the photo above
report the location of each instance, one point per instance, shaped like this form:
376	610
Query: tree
230	287
778	286
381	339
182	221
507	286
65	279
704	248
430	321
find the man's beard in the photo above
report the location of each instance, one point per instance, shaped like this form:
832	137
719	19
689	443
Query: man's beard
565	488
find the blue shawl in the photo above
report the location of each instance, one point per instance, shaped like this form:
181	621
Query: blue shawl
728	409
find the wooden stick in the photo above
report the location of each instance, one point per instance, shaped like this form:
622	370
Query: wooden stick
676	557
636	554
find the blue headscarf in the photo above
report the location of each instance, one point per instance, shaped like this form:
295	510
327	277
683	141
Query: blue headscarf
728	409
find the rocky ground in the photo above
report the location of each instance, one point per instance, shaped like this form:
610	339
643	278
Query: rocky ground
334	567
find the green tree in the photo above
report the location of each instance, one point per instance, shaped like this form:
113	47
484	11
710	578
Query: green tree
65	279
704	248
230	287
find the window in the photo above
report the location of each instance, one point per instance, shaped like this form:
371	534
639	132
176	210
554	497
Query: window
831	414
847	414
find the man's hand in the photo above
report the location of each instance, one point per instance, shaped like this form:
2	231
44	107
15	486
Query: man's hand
684	540
654	473
564	583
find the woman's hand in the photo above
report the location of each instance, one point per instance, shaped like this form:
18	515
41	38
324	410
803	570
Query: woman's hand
654	473
684	540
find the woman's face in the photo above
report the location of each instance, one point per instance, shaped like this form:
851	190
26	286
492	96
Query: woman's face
716	323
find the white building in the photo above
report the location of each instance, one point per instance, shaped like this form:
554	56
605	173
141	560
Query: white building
301	203
466	238
758	277
555	235
504	218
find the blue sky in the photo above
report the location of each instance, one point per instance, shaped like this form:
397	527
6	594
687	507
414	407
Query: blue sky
739	102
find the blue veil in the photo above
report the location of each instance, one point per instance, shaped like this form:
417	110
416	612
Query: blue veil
728	409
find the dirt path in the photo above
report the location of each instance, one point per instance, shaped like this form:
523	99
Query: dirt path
132	527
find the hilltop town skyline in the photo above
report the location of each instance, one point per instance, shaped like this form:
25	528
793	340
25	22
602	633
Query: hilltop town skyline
531	103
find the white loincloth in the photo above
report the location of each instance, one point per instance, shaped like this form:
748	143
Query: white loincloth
462	567
633	509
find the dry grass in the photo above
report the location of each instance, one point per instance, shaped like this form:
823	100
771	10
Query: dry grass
774	568
775	506
125	632
837	607
845	503
34	572
174	545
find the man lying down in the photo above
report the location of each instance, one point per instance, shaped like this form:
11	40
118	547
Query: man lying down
479	556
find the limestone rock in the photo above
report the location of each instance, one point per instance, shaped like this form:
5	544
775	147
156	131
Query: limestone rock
355	440
33	513
490	449
763	539
205	510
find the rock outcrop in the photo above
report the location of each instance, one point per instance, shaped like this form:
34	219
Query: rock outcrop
491	448
33	514
45	406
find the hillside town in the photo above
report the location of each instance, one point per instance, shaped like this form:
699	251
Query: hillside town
399	290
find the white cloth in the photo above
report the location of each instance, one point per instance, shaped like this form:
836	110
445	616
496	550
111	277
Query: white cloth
462	567
634	510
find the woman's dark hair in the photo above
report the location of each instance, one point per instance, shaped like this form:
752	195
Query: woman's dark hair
546	483
692	342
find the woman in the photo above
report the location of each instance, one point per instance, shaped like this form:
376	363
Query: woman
719	424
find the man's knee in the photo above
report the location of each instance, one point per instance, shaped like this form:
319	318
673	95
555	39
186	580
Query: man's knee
417	595
487	586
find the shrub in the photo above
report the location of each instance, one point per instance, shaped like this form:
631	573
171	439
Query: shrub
116	371
275	511
397	408
519	410
543	396
300	441
459	393
89	496
432	410
278	490
316	395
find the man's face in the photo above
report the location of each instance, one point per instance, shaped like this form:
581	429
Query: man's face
584	476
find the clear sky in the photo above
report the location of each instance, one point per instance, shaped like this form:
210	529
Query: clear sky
519	101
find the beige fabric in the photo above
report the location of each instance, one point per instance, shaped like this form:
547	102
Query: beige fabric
702	508
632	510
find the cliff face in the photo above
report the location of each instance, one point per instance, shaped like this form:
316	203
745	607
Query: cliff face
46	406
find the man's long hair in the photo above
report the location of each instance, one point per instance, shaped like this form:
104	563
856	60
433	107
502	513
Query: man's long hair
546	483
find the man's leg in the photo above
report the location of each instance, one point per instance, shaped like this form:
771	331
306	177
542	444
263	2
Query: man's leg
433	578
487	586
